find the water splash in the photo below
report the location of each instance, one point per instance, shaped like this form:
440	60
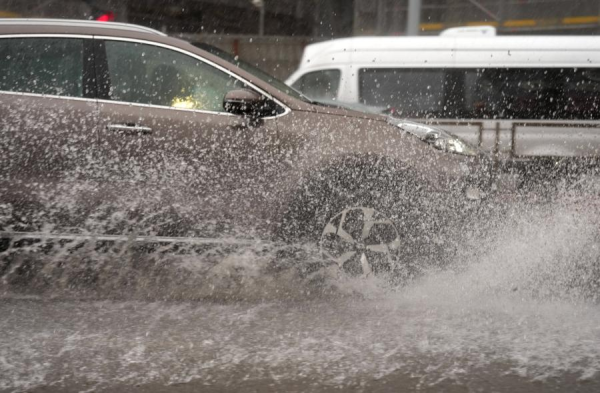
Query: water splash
517	305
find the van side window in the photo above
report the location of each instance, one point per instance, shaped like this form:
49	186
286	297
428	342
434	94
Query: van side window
319	85
484	93
532	93
52	66
407	91
148	74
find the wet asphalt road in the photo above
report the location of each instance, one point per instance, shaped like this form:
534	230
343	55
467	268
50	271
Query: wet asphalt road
387	344
519	314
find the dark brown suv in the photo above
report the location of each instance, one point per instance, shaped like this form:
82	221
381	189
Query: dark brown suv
110	130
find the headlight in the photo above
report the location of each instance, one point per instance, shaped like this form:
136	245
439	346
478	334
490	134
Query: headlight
436	137
449	143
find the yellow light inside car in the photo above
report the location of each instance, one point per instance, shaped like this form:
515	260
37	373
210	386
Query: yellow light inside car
184	103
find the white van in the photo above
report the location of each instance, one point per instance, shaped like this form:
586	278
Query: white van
515	96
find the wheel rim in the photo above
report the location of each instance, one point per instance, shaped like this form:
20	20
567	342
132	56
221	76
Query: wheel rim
360	241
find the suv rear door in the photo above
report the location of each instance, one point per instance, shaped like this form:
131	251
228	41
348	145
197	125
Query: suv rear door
175	162
48	116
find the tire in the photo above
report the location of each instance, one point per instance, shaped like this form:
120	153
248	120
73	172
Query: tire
394	191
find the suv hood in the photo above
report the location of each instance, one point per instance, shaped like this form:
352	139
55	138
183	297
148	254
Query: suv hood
347	110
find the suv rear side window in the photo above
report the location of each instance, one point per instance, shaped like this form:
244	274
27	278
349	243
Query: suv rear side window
52	66
319	85
148	74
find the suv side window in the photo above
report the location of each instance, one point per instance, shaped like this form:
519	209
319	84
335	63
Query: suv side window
319	85
148	74
52	66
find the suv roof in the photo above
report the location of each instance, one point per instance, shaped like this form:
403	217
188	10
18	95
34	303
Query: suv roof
79	23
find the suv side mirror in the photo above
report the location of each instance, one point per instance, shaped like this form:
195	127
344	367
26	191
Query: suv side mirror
246	102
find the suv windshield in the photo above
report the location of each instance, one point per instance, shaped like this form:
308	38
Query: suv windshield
257	72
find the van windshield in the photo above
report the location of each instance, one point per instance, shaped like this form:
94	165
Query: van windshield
255	71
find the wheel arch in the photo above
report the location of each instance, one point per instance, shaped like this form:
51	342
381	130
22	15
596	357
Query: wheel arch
362	175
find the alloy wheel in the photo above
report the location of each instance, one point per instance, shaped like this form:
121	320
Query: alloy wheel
360	241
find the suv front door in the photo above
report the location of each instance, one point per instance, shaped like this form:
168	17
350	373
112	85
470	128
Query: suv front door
176	163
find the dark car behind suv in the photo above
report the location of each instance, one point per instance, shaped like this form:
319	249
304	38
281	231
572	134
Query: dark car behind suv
113	130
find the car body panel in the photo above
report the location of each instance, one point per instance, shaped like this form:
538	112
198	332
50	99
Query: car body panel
166	171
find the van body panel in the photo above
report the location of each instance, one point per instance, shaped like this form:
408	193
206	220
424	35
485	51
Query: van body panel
509	136
511	58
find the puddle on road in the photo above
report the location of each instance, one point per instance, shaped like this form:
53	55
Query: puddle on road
523	304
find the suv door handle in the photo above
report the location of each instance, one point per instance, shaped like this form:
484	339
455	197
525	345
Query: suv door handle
129	129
